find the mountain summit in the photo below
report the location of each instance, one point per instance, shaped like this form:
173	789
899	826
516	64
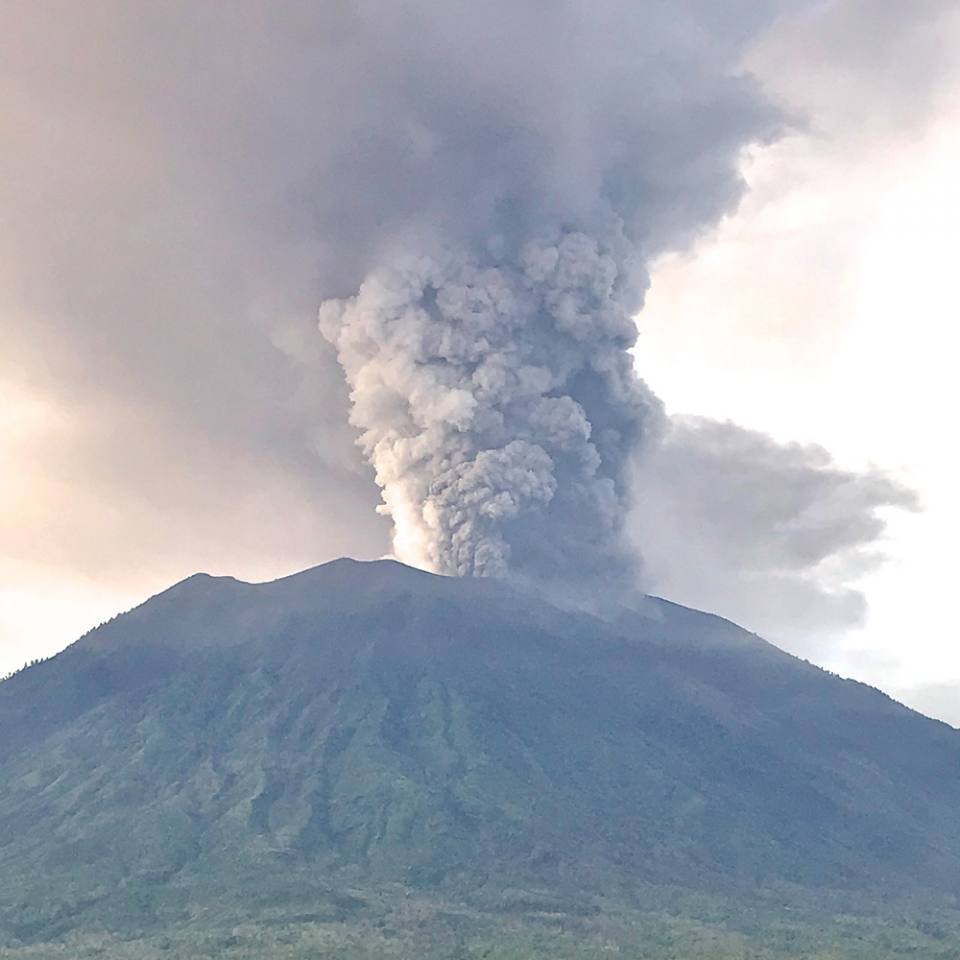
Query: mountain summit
370	759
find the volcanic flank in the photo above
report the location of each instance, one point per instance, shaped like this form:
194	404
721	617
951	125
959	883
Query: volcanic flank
326	758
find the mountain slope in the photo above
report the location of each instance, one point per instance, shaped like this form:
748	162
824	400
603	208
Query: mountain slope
337	742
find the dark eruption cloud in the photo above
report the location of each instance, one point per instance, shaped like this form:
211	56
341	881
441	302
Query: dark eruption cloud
523	164
473	191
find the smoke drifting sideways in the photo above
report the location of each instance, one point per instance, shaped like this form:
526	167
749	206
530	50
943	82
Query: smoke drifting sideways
776	536
523	165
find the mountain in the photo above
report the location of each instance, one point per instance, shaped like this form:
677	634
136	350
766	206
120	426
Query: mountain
367	760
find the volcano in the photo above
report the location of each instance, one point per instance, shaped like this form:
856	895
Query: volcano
367	760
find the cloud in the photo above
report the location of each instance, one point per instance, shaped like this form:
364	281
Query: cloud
786	319
863	69
186	183
183	183
774	536
160	288
553	152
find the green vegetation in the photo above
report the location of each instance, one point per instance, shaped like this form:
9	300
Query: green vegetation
366	761
410	926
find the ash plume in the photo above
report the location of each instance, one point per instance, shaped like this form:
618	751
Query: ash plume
202	175
526	162
498	405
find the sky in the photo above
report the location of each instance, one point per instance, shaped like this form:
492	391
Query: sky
833	307
167	404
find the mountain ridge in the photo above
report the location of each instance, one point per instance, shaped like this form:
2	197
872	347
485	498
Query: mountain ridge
367	727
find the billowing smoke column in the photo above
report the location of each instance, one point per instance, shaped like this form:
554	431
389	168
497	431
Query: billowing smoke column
531	157
498	405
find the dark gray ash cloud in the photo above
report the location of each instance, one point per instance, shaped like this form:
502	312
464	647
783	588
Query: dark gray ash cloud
474	192
523	165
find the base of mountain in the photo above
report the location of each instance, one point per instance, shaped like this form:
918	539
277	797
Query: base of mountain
513	924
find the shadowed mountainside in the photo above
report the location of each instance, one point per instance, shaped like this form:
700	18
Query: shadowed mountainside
363	735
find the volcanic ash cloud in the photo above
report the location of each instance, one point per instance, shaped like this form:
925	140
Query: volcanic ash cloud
497	404
522	165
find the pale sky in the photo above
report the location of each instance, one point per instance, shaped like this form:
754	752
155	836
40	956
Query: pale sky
833	309
823	311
